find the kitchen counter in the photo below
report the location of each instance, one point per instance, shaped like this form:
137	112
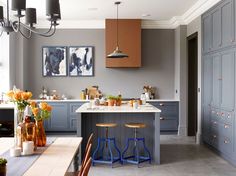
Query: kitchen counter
79	100
7	106
87	118
126	108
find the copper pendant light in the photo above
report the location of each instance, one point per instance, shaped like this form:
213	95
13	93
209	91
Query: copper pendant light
117	53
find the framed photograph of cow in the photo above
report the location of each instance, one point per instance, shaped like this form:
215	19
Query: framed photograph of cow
81	61
54	61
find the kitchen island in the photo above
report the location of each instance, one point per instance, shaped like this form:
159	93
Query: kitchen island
148	114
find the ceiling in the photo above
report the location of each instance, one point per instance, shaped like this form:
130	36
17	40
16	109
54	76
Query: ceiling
91	13
102	9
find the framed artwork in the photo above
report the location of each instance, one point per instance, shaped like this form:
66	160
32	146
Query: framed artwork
54	61
81	61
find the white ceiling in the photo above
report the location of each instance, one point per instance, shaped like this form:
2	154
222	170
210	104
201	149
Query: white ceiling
91	13
79	9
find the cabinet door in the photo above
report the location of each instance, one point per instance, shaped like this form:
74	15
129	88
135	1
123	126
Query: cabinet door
207	80
216	29
59	119
227	22
227	93
216	81
207	33
73	115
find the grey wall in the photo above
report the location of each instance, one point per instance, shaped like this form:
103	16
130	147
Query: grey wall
181	75
157	64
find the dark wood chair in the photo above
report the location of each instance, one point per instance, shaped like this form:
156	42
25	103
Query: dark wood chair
87	155
87	167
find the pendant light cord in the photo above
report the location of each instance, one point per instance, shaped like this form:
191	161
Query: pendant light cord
117	21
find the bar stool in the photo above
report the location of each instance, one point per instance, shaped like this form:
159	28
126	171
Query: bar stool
136	158
110	158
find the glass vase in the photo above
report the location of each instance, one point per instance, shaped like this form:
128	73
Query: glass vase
40	134
20	128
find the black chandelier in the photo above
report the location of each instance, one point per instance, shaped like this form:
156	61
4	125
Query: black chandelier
53	14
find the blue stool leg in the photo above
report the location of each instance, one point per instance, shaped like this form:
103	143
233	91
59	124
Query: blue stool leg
146	149
137	152
125	150
111	155
117	149
95	152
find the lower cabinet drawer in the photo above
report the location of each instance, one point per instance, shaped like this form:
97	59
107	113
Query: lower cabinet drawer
226	145
168	124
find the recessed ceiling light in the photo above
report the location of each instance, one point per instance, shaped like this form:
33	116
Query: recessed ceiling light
92	8
146	15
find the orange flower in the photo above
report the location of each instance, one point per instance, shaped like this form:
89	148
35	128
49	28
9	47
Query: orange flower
49	108
43	105
33	104
10	94
17	96
29	94
35	111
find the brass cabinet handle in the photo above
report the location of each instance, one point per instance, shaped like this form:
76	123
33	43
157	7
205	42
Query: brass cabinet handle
214	122
162	118
161	104
228	116
226	141
226	126
214	136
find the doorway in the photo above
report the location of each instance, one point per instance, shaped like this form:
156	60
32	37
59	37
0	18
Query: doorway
192	83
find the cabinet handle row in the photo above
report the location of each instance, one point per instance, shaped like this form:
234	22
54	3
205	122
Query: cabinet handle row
221	114
162	118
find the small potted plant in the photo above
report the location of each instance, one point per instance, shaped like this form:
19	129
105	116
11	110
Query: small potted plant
118	100
3	167
111	100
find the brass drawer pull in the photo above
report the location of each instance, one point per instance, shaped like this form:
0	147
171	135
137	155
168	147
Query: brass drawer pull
226	141
162	118
214	136
161	104
228	116
226	126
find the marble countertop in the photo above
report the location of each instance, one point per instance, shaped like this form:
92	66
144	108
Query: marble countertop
79	100
124	108
7	106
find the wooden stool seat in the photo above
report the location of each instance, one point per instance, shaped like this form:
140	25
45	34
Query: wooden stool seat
106	125
135	125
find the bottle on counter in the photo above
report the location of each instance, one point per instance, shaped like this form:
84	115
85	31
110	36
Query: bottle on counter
143	98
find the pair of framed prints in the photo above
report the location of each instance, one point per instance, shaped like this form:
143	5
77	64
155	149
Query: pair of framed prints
75	61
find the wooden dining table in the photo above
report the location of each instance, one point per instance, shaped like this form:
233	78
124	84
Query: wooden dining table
54	161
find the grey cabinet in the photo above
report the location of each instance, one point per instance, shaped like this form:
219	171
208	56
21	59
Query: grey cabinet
207	95
219	74
216	59
228	80
63	117
169	117
216	29
207	33
227	22
218	26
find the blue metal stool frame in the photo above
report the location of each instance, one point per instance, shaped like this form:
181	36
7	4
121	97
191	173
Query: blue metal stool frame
136	158
99	151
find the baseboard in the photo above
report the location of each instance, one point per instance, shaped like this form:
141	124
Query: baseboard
182	131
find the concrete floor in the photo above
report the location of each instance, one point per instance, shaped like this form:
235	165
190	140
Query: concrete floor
180	156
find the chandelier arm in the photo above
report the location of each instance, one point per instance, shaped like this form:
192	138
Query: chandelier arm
49	35
36	32
28	37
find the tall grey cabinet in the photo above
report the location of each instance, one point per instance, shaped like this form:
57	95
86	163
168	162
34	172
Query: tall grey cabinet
219	64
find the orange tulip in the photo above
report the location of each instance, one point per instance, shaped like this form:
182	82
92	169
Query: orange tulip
49	108
24	96
17	96
10	94
29	94
43	105
35	111
33	104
